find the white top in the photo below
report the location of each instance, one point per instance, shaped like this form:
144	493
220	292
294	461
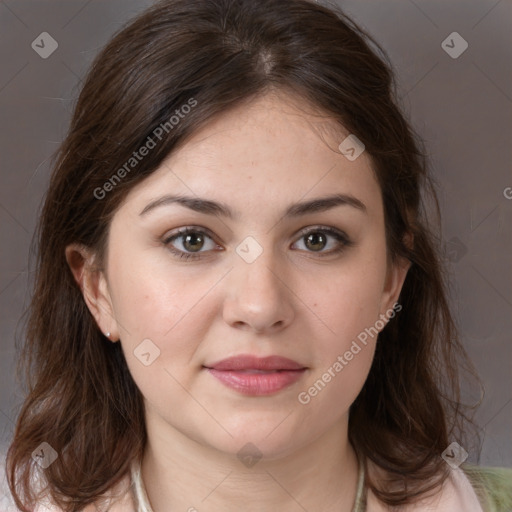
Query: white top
456	495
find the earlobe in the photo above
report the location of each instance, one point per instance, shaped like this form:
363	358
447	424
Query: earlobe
93	285
394	283
397	272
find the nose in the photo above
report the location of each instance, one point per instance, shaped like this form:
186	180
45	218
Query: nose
259	295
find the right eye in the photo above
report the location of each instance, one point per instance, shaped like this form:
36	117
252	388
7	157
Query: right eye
192	241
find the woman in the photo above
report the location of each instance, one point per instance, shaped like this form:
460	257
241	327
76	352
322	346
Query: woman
239	304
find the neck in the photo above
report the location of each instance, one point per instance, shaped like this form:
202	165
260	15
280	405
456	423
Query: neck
181	474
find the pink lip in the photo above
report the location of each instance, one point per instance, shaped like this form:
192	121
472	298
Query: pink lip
249	362
252	375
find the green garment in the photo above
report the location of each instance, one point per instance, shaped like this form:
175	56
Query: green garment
493	486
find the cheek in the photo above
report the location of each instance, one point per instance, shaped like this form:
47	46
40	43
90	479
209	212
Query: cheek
349	304
167	304
152	294
348	299
344	353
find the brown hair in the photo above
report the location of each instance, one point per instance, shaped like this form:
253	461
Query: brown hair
81	397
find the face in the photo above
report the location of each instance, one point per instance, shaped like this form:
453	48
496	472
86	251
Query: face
272	279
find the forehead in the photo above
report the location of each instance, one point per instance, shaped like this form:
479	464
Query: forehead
273	150
273	125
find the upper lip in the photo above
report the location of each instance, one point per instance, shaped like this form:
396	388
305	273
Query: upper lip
250	362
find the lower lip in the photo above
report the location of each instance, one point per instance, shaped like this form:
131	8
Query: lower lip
257	384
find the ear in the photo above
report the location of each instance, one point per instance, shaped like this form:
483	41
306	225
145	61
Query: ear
396	274
94	287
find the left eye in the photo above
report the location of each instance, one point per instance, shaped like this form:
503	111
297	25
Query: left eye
319	237
315	240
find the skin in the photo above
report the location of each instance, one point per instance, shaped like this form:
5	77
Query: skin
290	301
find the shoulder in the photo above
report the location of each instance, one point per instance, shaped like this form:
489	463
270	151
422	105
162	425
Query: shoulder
118	499
492	485
456	494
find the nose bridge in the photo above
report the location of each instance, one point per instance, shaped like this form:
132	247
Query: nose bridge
257	292
256	267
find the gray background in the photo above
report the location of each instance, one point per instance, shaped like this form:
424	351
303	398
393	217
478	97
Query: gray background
462	108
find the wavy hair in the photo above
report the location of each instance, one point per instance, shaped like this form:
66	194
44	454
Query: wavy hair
81	398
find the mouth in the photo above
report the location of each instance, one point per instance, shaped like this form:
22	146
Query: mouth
252	363
253	370
256	376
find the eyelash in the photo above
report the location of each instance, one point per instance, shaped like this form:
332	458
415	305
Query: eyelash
338	235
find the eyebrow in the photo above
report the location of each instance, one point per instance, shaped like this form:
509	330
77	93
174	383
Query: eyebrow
209	207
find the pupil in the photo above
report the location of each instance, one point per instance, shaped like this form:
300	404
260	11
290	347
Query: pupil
189	237
314	237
